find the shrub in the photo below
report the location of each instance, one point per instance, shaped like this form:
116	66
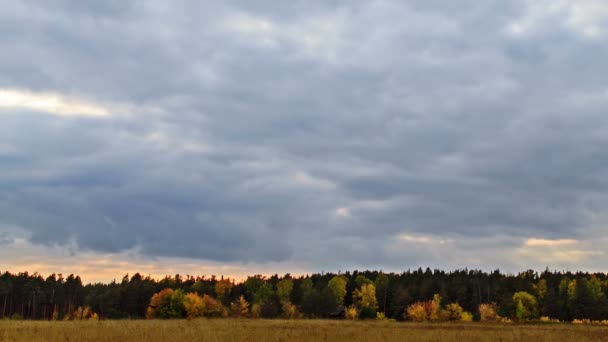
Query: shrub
167	303
526	306
156	302
487	313
290	311
367	313
82	314
380	316
452	312
425	311
212	307
172	306
466	317
256	310
351	313
194	305
546	319
416	312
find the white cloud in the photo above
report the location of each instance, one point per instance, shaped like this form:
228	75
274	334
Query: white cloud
547	242
587	17
422	239
342	212
307	180
319	37
51	103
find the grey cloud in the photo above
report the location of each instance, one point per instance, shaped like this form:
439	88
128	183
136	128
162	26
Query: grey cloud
430	107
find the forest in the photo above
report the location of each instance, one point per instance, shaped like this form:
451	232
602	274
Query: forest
413	295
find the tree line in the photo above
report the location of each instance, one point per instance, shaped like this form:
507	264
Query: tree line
416	295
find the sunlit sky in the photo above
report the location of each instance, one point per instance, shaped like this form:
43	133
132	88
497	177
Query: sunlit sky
254	136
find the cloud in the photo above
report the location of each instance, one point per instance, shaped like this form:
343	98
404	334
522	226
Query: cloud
342	212
545	242
94	267
328	135
48	103
421	239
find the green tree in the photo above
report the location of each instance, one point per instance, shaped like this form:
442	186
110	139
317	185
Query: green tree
526	306
337	285
381	283
263	294
284	289
520	311
171	305
252	285
362	280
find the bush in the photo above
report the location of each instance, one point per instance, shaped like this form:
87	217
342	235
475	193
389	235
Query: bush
167	303
172	306
380	316
416	312
290	311
466	317
526	306
351	313
194	305
82	314
546	319
367	313
425	311
256	311
452	312
212	307
488	313
505	320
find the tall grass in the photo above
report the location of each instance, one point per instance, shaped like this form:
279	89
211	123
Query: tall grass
294	330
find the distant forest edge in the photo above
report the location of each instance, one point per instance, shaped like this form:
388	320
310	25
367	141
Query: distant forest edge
419	295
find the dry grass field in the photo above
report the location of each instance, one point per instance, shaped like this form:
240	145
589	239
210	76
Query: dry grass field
300	330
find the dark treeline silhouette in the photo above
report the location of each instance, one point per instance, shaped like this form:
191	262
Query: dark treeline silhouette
558	295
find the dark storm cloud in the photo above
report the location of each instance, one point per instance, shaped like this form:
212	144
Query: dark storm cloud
249	124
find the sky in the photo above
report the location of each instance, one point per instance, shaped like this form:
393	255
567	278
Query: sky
253	136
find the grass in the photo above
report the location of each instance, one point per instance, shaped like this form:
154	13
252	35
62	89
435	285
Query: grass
300	330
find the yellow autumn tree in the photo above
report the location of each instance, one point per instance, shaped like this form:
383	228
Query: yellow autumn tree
416	312
425	311
290	311
488	312
222	289
212	307
365	299
240	308
452	312
194	305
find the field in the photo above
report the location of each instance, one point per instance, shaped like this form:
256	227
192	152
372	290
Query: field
278	330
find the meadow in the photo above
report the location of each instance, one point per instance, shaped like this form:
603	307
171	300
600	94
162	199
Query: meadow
291	330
